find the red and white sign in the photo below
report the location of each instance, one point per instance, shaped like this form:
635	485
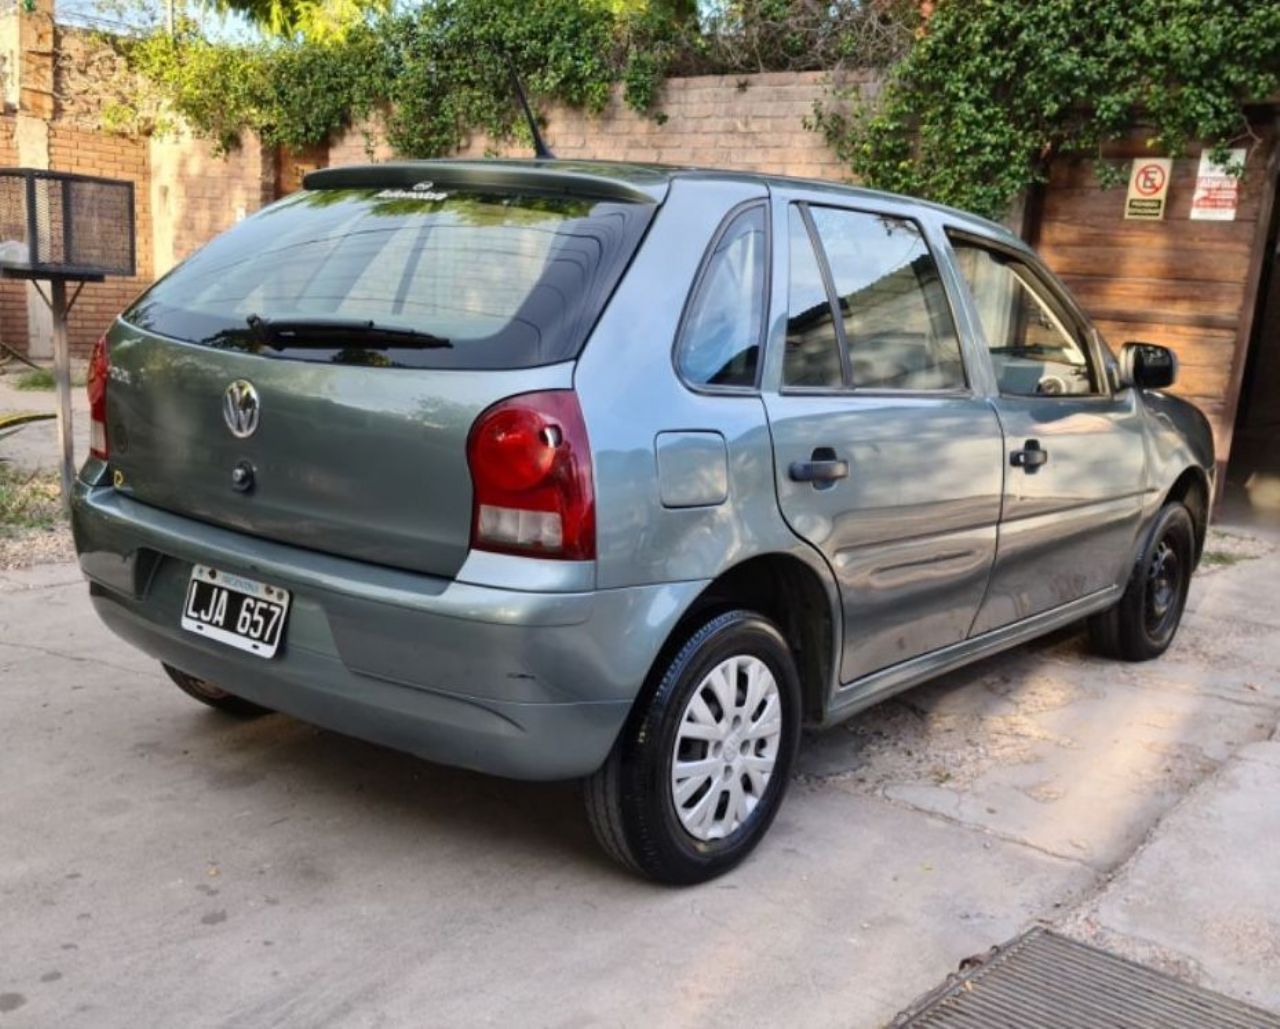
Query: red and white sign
1217	192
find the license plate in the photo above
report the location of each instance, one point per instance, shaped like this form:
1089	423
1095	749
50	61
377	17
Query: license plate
236	611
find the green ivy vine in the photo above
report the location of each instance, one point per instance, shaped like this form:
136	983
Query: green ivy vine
437	73
976	101
994	90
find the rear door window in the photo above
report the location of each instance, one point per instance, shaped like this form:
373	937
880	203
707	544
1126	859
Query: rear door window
438	278
812	355
894	312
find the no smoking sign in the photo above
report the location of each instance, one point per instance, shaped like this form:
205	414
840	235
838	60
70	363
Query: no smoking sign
1148	188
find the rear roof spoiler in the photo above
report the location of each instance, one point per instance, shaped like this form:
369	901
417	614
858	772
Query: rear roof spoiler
628	183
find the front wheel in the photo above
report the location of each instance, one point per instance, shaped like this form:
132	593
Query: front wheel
700	769
1142	625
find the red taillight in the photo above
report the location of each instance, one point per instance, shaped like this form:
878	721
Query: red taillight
531	475
99	368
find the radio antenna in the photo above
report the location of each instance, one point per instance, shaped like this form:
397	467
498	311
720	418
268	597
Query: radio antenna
540	148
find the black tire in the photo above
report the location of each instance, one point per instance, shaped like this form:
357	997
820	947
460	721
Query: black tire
630	801
1145	620
207	693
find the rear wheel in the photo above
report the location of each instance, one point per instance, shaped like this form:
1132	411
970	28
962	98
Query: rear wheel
214	696
700	770
1142	625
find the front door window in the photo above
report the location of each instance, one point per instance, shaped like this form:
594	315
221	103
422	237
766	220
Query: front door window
1036	347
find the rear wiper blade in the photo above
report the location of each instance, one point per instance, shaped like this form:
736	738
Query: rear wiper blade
293	332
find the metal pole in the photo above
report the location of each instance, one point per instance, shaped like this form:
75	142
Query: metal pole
62	377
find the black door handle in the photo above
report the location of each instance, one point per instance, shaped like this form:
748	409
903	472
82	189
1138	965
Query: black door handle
822	469
819	471
1030	457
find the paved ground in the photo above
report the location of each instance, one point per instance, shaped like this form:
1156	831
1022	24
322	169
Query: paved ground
1200	899
33	451
162	865
36	446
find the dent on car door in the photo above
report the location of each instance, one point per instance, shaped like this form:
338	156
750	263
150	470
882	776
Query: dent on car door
886	461
1075	448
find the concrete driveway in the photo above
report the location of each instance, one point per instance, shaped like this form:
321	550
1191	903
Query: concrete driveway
36	446
165	865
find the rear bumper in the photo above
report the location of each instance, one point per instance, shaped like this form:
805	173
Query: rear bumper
521	684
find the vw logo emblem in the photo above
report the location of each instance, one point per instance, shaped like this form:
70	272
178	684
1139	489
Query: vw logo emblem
240	409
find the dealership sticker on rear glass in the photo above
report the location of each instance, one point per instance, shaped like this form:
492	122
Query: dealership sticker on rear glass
418	191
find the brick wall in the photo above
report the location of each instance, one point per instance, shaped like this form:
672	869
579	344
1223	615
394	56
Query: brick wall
89	77
744	122
196	193
13	295
87	152
361	144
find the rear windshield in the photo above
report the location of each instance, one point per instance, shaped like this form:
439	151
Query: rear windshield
425	277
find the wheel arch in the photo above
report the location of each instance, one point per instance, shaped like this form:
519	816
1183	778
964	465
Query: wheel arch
800	598
1191	488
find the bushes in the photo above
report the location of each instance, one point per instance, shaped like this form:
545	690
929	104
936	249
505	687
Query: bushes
996	89
448	76
978	100
440	72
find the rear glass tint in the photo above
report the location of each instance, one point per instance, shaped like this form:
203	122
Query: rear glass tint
437	278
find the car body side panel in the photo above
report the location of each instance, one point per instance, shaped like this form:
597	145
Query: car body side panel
1178	437
910	533
632	399
1067	528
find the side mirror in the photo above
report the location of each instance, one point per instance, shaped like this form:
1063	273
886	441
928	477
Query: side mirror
1147	366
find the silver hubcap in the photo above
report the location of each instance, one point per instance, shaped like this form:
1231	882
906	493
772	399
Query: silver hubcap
726	747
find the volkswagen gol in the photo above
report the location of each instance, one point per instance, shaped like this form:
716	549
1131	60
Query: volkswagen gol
554	470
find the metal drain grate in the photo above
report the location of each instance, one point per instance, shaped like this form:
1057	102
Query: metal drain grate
1047	981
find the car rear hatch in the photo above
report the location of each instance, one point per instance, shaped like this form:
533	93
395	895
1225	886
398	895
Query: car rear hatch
312	375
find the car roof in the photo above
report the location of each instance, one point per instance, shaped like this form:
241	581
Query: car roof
622	180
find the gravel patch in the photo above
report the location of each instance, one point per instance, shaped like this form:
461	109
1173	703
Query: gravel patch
1223	549
33	529
36	547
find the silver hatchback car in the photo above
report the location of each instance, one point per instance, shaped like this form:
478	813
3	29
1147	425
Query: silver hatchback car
553	469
